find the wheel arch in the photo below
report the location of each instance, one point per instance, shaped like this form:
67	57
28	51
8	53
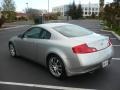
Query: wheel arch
51	54
60	54
11	42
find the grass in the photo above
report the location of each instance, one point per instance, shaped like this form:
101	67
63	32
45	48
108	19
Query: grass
116	30
107	26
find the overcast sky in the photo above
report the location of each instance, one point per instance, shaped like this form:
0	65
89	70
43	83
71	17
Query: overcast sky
43	4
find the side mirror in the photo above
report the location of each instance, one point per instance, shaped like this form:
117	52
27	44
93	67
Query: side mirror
20	36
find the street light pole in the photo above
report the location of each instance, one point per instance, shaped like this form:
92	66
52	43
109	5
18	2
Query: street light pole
27	5
89	8
48	6
0	13
48	9
27	11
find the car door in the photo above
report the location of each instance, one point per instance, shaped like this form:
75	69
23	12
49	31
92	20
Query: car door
42	45
27	46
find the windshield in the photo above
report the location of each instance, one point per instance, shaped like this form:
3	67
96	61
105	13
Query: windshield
72	31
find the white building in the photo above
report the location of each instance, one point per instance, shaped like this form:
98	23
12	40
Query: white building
43	11
88	9
61	9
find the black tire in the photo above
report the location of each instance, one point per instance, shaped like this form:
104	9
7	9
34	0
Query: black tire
56	67
12	50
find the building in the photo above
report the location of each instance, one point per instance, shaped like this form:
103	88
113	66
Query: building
88	9
118	1
19	15
61	9
43	11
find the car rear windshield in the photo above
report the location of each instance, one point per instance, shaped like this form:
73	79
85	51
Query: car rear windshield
72	30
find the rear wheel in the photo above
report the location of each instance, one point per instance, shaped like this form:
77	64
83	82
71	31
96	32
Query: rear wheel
12	50
56	67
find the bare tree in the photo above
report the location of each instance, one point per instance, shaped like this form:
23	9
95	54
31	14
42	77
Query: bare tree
8	10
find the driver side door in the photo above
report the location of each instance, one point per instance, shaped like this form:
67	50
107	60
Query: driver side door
27	46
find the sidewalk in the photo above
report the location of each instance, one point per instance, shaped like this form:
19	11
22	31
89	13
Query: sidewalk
16	24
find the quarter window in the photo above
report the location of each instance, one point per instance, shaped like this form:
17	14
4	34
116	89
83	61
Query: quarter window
33	33
37	33
45	34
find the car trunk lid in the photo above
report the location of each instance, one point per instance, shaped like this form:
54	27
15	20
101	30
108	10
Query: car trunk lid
94	41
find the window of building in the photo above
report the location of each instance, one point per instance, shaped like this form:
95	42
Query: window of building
85	8
85	13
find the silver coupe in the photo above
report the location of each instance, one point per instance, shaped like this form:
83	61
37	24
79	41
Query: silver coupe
65	49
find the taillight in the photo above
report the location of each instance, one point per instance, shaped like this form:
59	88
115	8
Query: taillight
109	42
81	49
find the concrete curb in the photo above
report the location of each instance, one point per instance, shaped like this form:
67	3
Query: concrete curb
2	29
116	35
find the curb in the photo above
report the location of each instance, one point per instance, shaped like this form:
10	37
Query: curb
13	27
116	35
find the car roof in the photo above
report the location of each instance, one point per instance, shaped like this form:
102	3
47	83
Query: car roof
51	25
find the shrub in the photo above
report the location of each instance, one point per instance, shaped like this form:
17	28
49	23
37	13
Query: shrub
2	20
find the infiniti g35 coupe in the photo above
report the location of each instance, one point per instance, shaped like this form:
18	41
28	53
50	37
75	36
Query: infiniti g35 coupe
65	49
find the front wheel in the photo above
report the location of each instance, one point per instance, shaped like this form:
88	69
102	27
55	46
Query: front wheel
56	67
12	50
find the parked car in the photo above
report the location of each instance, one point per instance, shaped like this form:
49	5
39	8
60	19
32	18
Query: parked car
65	49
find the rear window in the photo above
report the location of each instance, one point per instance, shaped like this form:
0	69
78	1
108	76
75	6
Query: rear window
72	31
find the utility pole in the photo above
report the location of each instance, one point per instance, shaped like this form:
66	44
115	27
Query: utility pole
48	6
27	11
27	5
89	7
48	9
0	13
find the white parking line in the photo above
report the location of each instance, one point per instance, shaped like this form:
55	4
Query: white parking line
113	38
116	58
41	86
107	34
116	45
14	27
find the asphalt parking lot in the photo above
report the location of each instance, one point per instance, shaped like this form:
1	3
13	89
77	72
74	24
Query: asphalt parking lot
23	74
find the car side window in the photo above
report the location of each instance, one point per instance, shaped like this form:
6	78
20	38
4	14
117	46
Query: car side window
45	34
33	33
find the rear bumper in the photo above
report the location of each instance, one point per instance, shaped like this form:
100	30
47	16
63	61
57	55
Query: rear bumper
83	70
89	62
96	57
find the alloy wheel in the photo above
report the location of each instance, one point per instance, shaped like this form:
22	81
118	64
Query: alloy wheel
12	50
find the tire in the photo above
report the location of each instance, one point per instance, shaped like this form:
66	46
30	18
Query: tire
56	67
12	50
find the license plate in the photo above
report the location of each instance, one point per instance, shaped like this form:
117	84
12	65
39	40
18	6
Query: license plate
105	63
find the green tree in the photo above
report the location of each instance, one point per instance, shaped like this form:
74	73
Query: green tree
101	4
79	11
58	13
111	12
2	20
112	16
8	10
73	11
8	5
